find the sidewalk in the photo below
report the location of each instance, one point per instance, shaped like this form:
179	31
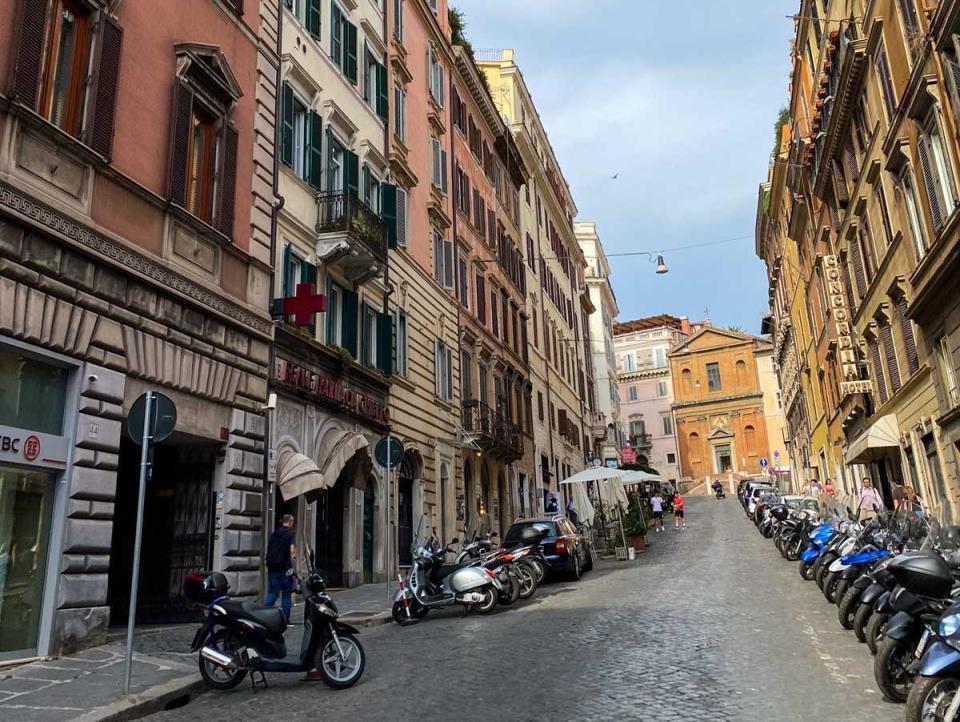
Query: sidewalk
89	685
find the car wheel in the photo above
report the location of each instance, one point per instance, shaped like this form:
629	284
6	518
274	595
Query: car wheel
589	565
575	573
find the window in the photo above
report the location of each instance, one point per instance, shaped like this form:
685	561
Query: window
343	43
713	376
483	381
439	174
629	362
336	164
463	281
908	190
443	363
466	377
741	370
660	357
495	322
292	271
933	466
307	13
201	163
368	336
65	72
910	24
25	378
334	315
667	425
750	436
948	372
375	84
890	353
481	297
398	20
631	393
400	113
886	83
671	458
637	429
661	389
936	171
370	189
686	381
435	79
400	344
443	260
301	137
531	256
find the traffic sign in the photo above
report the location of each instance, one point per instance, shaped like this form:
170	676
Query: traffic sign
163	413
388	451
776	455
764	463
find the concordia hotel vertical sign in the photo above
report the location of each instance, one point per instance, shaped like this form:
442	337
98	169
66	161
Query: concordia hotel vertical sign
850	381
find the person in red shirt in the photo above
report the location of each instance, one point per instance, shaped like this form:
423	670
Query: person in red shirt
678	511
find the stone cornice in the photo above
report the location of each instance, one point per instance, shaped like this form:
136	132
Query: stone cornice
22	207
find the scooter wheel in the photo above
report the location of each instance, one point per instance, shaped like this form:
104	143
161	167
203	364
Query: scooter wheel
930	697
218	677
842	586
848	607
489	602
340	671
861	619
806	570
891	668
400	616
875	630
528	581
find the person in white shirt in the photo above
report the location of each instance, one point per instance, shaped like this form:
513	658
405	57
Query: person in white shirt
656	502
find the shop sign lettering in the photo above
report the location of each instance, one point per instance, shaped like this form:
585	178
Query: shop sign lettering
331	391
20	447
850	381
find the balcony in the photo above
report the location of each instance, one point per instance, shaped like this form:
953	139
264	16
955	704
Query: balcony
642	441
492	431
350	236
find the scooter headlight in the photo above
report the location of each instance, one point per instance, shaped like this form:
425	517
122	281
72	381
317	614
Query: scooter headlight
949	625
326	610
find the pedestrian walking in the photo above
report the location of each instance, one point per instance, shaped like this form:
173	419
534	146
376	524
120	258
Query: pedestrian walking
869	498
911	502
813	489
678	517
656	503
281	561
828	488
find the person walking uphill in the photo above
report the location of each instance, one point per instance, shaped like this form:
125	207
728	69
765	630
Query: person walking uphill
281	561
678	517
656	503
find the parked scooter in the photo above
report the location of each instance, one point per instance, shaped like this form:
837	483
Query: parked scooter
430	584
933	696
240	637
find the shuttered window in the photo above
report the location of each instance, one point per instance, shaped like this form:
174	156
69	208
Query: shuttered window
890	355
952	70
439	166
55	75
481	290
906	330
878	375
937	211
343	42
443	365
443	261
909	190
858	272
882	68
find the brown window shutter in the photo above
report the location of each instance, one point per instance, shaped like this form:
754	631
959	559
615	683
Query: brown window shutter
179	143
848	285
878	371
33	24
936	212
228	181
893	368
909	340
104	90
858	273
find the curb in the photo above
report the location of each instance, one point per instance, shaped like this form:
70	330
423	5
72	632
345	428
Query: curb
146	702
365	620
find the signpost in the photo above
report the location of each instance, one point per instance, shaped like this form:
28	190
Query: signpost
152	418
388	453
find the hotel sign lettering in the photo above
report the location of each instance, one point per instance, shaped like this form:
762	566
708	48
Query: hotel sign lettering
332	391
850	381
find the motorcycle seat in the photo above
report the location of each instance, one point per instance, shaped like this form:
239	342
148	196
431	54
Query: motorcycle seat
270	617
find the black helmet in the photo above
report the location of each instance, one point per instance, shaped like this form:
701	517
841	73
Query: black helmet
315	583
779	511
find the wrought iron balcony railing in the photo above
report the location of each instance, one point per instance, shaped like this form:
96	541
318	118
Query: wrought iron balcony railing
344	212
495	431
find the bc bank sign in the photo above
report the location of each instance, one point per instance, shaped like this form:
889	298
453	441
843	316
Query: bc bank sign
850	381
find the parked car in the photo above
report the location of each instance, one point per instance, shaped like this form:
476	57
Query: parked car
565	549
755	494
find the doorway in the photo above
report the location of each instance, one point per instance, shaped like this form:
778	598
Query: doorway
178	524
329	552
405	516
724	459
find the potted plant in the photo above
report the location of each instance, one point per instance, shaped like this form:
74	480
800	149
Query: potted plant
635	526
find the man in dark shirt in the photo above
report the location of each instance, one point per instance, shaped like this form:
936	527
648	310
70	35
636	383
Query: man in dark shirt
281	561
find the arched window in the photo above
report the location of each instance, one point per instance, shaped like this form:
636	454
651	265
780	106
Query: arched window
750	437
686	381
741	373
693	443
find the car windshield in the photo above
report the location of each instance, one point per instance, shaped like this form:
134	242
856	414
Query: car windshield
513	535
793	503
811	504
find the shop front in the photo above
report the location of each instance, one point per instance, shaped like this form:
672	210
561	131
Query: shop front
330	414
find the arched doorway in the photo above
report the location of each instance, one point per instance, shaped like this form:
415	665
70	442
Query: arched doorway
468	506
329	551
409	471
369	528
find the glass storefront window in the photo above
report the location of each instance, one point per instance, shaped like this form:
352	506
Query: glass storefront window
26	498
32	393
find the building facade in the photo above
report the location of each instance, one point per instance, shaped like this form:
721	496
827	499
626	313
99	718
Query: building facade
646	390
556	294
606	424
126	270
719	406
871	223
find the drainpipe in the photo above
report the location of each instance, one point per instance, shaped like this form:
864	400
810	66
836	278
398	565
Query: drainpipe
276	206
543	327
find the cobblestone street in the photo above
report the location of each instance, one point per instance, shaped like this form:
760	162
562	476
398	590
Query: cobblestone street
709	624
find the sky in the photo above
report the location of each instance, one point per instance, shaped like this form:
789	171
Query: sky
677	99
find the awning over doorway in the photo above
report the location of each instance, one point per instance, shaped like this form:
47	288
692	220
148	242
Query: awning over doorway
872	444
336	450
298	474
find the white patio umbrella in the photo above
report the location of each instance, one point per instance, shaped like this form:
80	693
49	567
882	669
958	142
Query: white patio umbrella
638	477
594	473
582	505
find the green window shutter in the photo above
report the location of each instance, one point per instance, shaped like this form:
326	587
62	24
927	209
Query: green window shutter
385	343
287	282
313	18
352	171
314	149
329	316
388	212
382	109
349	330
336	34
364	356
350	39
308	273
286	148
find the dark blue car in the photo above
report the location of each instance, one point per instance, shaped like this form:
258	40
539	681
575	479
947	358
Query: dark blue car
565	549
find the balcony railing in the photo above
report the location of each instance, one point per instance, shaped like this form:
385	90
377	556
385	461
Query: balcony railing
495	432
641	441
344	212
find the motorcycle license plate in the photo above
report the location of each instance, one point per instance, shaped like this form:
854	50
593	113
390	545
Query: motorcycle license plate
923	644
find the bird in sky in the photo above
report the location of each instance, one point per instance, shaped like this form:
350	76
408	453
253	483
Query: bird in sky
615	176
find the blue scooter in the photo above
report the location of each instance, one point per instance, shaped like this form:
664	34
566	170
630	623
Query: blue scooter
933	695
818	540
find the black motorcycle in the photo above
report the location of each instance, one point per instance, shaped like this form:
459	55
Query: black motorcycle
240	637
